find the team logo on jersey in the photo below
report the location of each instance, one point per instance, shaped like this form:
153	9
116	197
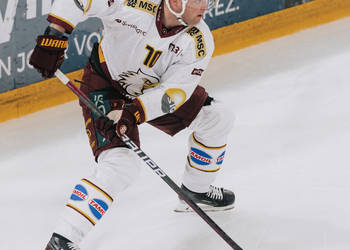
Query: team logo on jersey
98	207
198	37
172	99
135	83
200	157
220	159
79	193
143	5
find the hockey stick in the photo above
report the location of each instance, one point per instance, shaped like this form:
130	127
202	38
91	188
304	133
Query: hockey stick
85	99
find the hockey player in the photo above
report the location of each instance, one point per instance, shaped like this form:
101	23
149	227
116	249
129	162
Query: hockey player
146	69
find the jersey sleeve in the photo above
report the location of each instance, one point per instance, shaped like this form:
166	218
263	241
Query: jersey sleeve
180	79
68	13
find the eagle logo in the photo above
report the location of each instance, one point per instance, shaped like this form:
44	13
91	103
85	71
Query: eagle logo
135	83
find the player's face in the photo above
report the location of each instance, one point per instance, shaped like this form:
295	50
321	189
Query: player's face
195	10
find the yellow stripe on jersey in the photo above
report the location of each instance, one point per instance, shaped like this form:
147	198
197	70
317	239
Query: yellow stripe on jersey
198	37
88	7
63	20
143	5
100	54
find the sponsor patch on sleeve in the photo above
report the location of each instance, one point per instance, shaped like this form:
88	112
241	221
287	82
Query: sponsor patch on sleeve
198	38
197	72
143	5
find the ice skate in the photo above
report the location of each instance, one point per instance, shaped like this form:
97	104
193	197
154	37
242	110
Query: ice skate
216	199
58	242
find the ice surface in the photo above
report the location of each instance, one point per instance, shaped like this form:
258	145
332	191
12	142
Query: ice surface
287	161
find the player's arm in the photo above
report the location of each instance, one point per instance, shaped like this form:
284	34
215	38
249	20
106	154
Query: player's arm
48	54
179	81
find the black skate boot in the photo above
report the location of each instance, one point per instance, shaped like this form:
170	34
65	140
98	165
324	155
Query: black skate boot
216	199
58	242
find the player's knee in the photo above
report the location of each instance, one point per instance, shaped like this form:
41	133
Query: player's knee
116	170
215	121
225	121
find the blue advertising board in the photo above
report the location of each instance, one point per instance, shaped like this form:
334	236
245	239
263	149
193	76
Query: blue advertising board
22	20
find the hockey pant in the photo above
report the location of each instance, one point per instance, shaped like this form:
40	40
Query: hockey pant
93	196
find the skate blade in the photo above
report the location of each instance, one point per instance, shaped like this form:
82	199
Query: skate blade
182	207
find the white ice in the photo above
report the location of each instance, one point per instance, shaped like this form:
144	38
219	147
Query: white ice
288	159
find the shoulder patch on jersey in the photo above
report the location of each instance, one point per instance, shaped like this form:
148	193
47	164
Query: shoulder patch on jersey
198	37
83	5
143	5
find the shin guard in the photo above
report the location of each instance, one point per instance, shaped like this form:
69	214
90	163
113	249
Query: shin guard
203	163
90	201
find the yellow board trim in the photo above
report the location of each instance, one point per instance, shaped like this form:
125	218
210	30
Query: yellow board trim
35	97
49	93
278	24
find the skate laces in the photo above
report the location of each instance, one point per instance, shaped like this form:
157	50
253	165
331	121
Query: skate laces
215	193
73	246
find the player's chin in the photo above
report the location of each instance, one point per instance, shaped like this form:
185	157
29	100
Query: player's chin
195	20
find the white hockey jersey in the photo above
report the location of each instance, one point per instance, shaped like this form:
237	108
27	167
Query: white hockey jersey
159	67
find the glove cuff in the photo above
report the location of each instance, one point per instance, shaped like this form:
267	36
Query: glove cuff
53	43
136	109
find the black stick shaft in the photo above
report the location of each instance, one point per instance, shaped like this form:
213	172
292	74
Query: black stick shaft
151	164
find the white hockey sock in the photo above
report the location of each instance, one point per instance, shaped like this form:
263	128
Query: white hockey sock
93	196
85	207
207	146
203	164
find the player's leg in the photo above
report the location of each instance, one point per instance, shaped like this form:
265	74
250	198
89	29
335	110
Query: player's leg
207	147
211	123
93	195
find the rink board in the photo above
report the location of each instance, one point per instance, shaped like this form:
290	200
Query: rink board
49	93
